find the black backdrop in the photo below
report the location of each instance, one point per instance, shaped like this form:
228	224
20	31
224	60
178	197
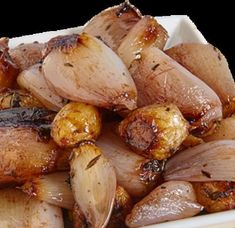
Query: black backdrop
215	19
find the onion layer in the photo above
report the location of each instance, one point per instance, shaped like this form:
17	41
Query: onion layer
213	161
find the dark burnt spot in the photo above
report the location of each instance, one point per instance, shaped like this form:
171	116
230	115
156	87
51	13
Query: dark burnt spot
151	170
204	165
206	174
63	43
163	187
93	162
218	195
219	57
108	27
124	8
155	66
36	118
168	109
68	65
36	42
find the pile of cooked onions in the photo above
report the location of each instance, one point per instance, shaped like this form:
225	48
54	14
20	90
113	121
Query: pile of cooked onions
114	129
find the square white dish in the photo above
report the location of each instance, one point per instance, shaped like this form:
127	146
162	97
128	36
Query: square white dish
180	29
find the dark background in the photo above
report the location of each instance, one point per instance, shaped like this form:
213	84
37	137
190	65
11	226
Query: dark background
214	19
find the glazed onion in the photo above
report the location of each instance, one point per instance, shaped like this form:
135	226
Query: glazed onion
144	33
212	161
82	68
170	201
112	24
33	80
52	188
19	210
135	173
160	79
93	182
209	64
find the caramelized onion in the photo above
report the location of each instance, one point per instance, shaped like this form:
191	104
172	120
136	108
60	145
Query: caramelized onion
170	201
160	79
135	173
143	34
212	161
93	182
112	24
209	64
33	80
82	68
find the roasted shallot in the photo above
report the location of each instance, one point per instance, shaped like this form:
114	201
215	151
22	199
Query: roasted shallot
209	64
82	68
93	182
212	161
170	201
160	79
154	131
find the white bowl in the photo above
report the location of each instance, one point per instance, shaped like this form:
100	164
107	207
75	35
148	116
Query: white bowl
181	29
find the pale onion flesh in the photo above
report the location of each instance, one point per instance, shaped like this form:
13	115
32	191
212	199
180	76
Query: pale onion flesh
212	161
172	200
19	210
93	182
33	80
84	69
144	33
112	24
225	129
160	79
52	188
209	64
135	173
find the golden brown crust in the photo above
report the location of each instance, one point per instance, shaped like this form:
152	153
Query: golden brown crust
216	196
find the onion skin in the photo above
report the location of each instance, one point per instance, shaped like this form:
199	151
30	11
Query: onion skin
160	79
113	24
170	201
19	210
135	173
26	55
74	123
209	64
93	190
52	188
8	69
215	196
83	69
225	129
212	161
143	34
17	98
33	80
154	131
